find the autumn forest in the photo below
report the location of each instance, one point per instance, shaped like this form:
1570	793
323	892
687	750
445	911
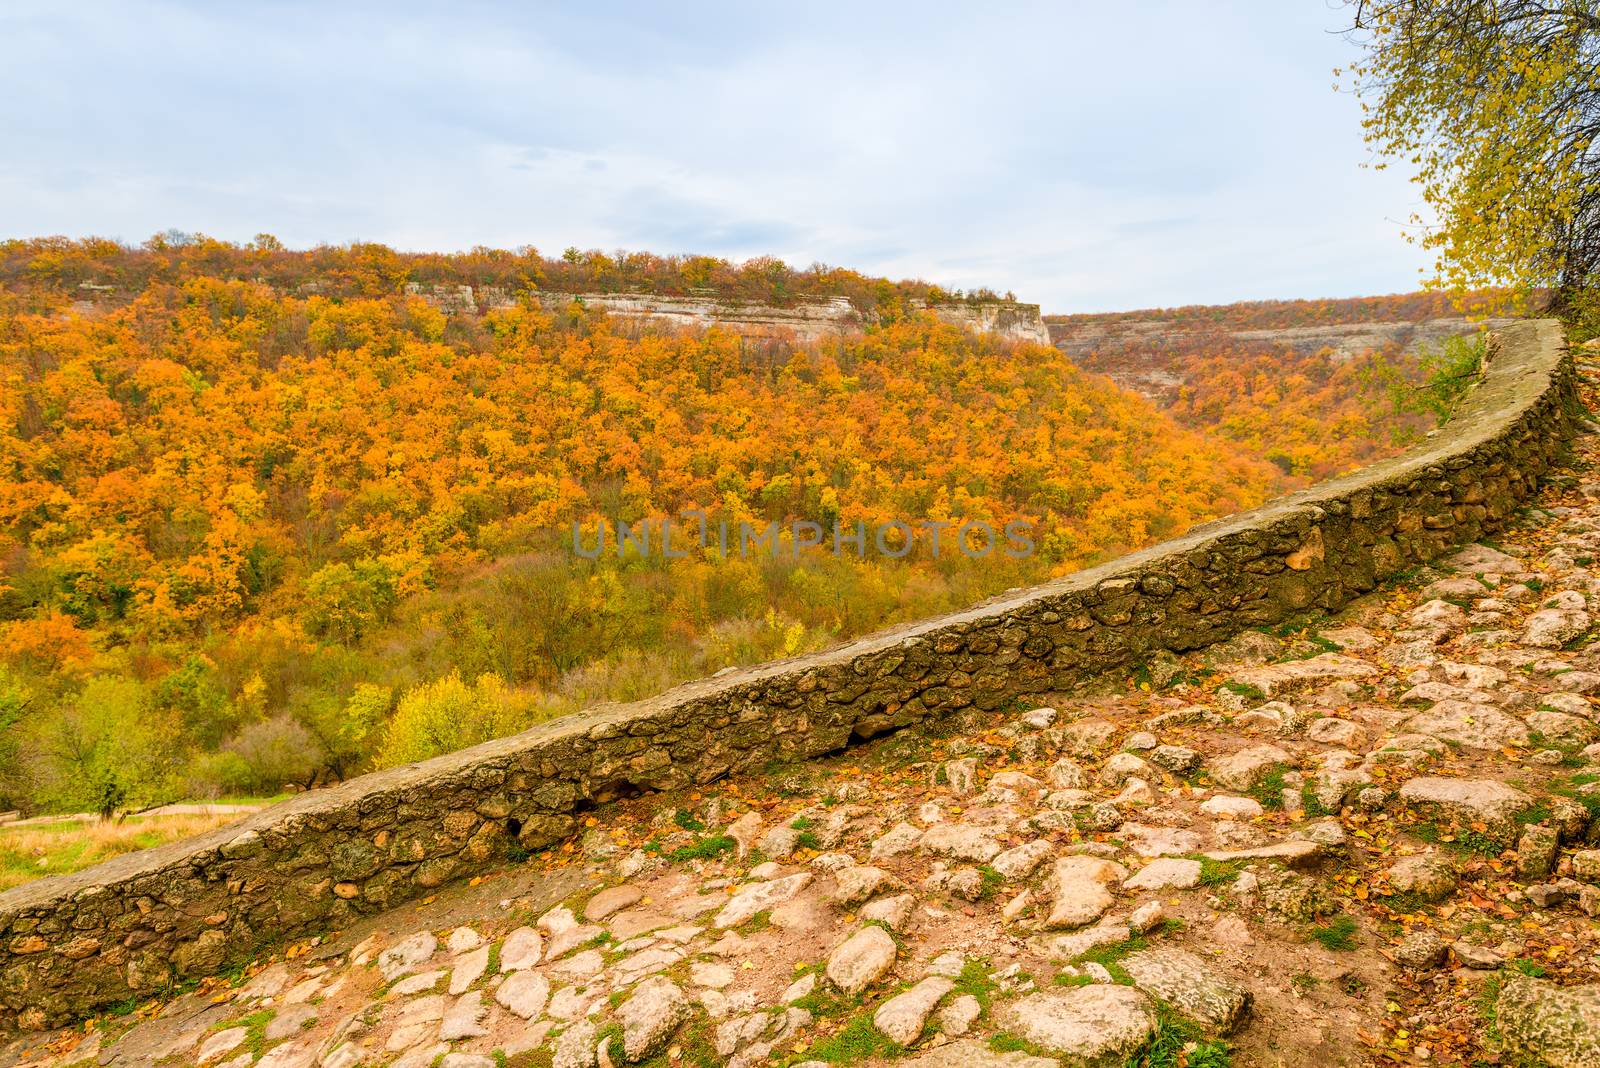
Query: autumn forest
268	519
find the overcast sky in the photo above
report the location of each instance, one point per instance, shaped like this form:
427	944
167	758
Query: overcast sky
1089	156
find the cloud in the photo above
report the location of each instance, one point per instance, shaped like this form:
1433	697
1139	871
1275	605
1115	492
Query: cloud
1081	156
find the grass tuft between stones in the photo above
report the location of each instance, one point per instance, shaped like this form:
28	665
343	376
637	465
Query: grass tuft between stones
1339	933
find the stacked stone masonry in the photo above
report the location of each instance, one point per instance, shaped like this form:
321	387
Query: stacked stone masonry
135	925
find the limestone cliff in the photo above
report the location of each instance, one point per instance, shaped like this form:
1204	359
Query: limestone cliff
804	320
1009	319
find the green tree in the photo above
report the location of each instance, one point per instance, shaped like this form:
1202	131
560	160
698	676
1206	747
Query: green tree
347	730
1496	103
106	749
16	698
345	601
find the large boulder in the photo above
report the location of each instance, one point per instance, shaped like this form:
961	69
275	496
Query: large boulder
1190	986
1078	889
1093	1026
1469	725
1467	801
658	1007
1557	1025
862	960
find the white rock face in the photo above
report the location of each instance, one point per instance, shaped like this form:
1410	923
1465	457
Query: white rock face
862	960
407	956
903	1016
524	993
1008	319
757	897
649	1018
1177	873
1089	1024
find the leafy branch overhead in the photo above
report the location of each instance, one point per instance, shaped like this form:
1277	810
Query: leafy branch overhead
1496	105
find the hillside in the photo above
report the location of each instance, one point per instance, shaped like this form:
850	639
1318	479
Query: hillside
1326	370
1368	839
93	269
256	535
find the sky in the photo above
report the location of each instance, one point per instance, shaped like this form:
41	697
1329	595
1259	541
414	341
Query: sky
1086	156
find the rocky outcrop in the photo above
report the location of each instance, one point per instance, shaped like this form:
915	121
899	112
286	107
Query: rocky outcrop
323	859
1142	354
1559	1026
810	319
1008	319
807	320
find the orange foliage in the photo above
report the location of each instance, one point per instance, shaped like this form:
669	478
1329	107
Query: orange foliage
1279	314
197	454
253	480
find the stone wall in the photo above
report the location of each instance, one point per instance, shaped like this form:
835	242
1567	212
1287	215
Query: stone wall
131	926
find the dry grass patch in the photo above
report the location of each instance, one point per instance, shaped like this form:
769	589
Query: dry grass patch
28	853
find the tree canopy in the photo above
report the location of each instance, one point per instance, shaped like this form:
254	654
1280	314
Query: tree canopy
1496	103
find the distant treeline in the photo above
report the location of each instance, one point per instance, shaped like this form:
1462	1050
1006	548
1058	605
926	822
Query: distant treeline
112	270
1280	314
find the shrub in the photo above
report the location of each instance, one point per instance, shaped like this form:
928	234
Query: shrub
447	715
275	751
